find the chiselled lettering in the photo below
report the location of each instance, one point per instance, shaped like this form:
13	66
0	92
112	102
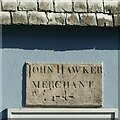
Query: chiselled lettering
64	84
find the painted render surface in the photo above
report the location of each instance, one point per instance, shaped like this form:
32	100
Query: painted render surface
57	45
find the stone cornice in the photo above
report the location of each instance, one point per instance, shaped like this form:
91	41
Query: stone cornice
60	12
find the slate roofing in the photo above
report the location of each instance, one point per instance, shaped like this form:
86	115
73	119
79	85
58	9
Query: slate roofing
60	12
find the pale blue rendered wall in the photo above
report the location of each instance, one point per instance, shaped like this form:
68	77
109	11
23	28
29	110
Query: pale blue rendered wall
85	45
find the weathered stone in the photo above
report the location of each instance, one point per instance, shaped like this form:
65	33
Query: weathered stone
64	85
63	5
111	6
56	18
46	5
104	20
117	19
19	17
119	7
5	18
28	5
95	6
9	5
80	6
37	18
73	19
88	19
0	6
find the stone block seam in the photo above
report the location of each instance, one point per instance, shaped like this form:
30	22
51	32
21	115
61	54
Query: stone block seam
64	12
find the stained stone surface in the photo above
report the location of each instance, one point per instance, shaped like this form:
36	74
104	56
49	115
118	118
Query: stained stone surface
72	85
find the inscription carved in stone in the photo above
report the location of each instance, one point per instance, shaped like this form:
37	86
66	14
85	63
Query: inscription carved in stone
74	85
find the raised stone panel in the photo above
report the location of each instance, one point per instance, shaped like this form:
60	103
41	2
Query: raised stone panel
104	20
73	85
95	6
27	5
56	18
46	5
111	6
63	5
88	19
37	18
80	6
72	19
9	5
117	19
5	18
19	17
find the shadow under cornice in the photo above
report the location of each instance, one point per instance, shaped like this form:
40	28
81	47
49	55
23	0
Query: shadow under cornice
59	38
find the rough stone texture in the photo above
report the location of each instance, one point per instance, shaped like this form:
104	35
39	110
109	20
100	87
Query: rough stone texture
104	20
5	18
72	12
73	19
46	5
64	85
95	6
111	6
119	7
56	18
28	5
0	6
117	19
9	5
63	6
37	18
80	6
88	19
19	17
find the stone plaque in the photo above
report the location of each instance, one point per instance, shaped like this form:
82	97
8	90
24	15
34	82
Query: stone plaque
64	85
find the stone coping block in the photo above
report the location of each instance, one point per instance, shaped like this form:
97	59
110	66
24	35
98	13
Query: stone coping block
104	20
45	5
88	19
37	18
95	6
63	6
56	18
19	17
5	18
9	5
80	6
73	19
28	5
117	19
111	6
63	12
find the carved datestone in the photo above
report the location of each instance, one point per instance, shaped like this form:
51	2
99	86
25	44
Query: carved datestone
64	85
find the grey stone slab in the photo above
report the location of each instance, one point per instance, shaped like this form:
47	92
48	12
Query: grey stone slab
56	18
63	6
5	18
27	5
19	17
104	20
37	18
46	5
80	5
95	6
111	6
88	19
117	19
73	19
73	85
9	5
